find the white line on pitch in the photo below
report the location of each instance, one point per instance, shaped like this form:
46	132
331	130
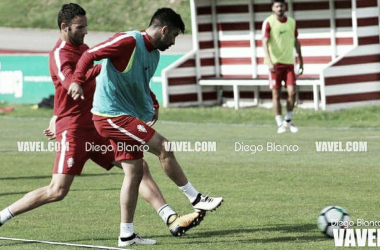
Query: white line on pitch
63	244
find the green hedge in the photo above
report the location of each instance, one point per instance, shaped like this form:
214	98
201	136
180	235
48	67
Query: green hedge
110	15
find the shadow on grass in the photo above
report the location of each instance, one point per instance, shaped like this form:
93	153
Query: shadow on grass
71	190
284	228
229	236
49	176
304	234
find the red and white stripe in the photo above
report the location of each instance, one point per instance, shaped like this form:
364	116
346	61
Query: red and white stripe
228	45
64	149
109	43
354	79
57	60
124	131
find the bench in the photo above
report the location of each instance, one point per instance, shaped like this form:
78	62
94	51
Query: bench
257	83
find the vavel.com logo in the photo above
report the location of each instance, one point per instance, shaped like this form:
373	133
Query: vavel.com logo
356	237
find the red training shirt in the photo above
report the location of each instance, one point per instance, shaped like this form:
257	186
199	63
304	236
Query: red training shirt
118	49
71	114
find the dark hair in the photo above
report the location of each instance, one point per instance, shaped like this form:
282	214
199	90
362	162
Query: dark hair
167	17
68	12
278	1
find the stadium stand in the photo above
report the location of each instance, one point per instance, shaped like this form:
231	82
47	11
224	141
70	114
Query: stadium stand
340	46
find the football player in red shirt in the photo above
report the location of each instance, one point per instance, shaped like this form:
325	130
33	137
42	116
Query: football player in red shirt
73	127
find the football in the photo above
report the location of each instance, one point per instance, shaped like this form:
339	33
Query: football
333	217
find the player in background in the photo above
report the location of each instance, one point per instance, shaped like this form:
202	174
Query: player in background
123	101
73	123
279	40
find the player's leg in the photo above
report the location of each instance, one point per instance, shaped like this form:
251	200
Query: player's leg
55	191
148	189
131	163
275	84
276	100
133	172
276	94
291	99
150	192
68	162
129	130
167	159
174	171
177	224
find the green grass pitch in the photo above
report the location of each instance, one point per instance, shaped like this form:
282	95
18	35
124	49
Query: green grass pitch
272	199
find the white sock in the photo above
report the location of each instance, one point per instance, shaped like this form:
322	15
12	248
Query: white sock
288	116
165	212
278	120
190	192
126	229
6	215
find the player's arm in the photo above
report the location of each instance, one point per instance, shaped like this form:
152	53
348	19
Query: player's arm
297	46
65	73
93	72
61	67
115	48
265	42
75	90
156	107
50	131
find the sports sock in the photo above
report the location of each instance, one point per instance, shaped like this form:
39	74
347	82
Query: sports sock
278	120
190	192
288	116
6	215
126	229
165	212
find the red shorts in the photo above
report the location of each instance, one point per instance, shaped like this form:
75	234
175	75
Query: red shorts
283	72
127	134
79	145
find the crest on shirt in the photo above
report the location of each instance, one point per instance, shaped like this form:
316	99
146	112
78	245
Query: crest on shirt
70	162
141	128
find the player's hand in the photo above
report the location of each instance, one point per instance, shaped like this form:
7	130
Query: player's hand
271	67
155	118
300	70
50	131
75	91
49	134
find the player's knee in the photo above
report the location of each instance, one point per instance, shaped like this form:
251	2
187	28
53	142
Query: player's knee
291	91
56	193
166	154
276	95
145	167
292	95
162	145
166	150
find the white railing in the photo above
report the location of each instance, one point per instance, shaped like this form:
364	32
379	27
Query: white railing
165	75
